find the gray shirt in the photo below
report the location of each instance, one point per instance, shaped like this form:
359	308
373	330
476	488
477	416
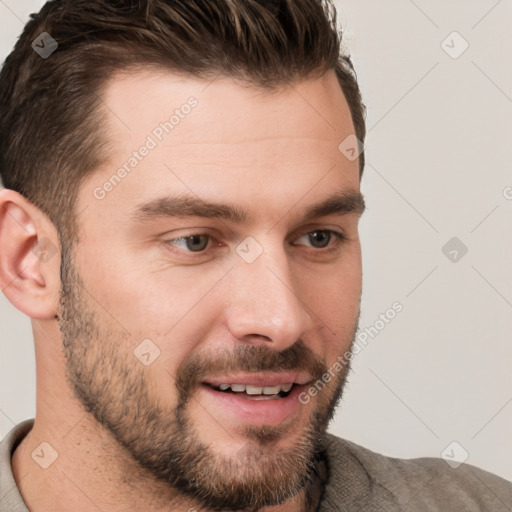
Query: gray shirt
359	480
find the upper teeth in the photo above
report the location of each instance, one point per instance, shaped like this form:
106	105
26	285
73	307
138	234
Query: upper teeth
255	390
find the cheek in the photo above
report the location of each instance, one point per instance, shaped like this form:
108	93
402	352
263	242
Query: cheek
147	295
334	289
333	297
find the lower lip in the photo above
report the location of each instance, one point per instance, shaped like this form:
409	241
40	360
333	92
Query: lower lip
255	412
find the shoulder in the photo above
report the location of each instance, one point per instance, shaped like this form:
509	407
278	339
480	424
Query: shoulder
10	498
364	480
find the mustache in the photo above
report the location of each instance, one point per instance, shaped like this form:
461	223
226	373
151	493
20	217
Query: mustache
248	358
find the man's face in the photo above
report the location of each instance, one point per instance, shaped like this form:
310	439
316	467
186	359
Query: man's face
191	330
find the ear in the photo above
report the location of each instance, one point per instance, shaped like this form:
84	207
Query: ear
29	257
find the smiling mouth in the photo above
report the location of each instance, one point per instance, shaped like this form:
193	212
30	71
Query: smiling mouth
251	392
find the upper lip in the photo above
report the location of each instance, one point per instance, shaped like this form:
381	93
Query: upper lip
261	379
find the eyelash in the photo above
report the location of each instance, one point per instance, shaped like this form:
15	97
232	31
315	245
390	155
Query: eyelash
338	236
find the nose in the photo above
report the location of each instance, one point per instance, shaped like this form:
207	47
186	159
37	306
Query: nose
265	304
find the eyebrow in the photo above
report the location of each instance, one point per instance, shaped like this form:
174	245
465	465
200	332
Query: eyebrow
340	203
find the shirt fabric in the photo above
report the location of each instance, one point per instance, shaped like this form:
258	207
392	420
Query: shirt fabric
358	480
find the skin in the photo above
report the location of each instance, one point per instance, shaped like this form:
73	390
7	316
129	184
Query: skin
272	155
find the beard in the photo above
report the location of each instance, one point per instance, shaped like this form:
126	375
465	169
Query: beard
113	386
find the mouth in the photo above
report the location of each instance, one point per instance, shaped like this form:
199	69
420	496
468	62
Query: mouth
251	392
255	399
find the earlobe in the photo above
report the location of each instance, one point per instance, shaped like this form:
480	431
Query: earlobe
29	257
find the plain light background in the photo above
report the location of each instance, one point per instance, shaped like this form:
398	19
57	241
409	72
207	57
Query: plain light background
437	378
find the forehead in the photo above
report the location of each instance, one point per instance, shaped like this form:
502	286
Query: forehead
141	93
174	134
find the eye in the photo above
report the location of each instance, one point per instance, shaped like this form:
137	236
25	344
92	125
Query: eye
317	239
321	238
193	243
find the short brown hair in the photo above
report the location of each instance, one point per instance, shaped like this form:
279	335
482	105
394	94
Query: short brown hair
51	133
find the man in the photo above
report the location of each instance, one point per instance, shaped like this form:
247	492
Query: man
181	227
